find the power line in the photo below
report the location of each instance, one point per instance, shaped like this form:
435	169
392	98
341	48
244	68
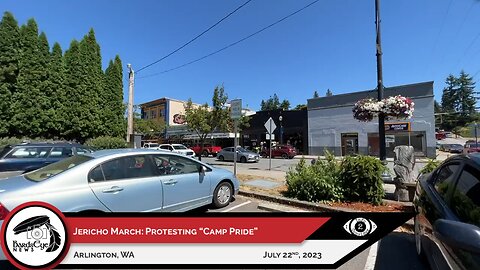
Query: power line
231	44
439	33
193	39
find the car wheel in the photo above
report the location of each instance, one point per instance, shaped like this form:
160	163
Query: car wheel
205	153
243	160
418	236
222	194
221	158
284	156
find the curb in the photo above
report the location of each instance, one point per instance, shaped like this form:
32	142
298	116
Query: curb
294	202
307	205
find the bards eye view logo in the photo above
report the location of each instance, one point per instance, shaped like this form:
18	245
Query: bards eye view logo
34	236
360	226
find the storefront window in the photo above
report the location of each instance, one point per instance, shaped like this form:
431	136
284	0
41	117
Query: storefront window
393	139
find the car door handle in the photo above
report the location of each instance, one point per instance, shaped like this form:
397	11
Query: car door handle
114	189
170	182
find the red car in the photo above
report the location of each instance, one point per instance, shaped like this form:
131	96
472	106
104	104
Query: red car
284	151
207	150
471	147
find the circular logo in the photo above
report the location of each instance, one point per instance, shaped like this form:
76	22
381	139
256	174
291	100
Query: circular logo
360	226
34	236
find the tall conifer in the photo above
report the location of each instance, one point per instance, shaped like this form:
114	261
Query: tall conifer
9	58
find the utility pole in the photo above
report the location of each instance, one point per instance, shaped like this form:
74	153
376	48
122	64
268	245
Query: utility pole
381	116
131	78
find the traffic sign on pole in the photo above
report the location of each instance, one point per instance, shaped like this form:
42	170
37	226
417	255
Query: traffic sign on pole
270	125
236	109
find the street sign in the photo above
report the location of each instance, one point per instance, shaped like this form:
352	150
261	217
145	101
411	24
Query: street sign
268	136
236	108
270	125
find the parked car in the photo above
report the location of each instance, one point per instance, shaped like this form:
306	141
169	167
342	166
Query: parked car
207	150
471	147
447	223
243	155
438	145
456	148
284	151
151	146
121	180
20	158
445	147
177	148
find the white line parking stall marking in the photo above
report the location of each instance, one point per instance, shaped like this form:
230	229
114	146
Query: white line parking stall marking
372	257
236	206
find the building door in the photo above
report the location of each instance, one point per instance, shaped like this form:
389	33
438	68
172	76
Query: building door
349	144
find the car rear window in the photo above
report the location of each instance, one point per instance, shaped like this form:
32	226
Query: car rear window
56	168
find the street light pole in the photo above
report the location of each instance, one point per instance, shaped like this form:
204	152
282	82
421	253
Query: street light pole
280	118
381	116
131	79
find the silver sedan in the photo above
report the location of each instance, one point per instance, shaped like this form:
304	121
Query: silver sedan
123	180
243	155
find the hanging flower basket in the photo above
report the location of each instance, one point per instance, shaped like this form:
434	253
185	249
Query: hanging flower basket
392	107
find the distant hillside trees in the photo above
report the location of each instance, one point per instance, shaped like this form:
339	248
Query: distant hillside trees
45	93
458	101
273	103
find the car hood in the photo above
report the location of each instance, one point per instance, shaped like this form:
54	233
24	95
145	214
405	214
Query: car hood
14	183
221	170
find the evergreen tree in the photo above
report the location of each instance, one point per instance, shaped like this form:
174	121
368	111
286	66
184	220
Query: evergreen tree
57	92
9	61
465	95
115	120
72	104
263	105
48	111
315	94
449	94
285	105
93	98
329	93
28	102
437	108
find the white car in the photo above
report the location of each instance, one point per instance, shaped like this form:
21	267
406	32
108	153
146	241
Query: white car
151	146
178	148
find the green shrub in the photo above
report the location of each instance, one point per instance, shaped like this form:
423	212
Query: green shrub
316	182
431	165
361	180
106	142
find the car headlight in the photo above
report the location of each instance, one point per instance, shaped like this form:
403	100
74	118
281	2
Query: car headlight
251	156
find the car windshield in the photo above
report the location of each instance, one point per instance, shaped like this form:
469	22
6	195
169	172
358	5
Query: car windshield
179	147
56	168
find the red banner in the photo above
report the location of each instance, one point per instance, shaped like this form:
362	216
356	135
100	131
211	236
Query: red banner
192	229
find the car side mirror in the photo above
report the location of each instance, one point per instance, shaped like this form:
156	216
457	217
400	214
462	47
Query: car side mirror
458	234
202	169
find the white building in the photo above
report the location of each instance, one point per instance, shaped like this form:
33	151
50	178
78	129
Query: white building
331	125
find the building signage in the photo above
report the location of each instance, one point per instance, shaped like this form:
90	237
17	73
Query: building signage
397	126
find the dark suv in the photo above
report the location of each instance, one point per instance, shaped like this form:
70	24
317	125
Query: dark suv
20	158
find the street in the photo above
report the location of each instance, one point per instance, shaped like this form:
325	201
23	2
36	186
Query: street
396	251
